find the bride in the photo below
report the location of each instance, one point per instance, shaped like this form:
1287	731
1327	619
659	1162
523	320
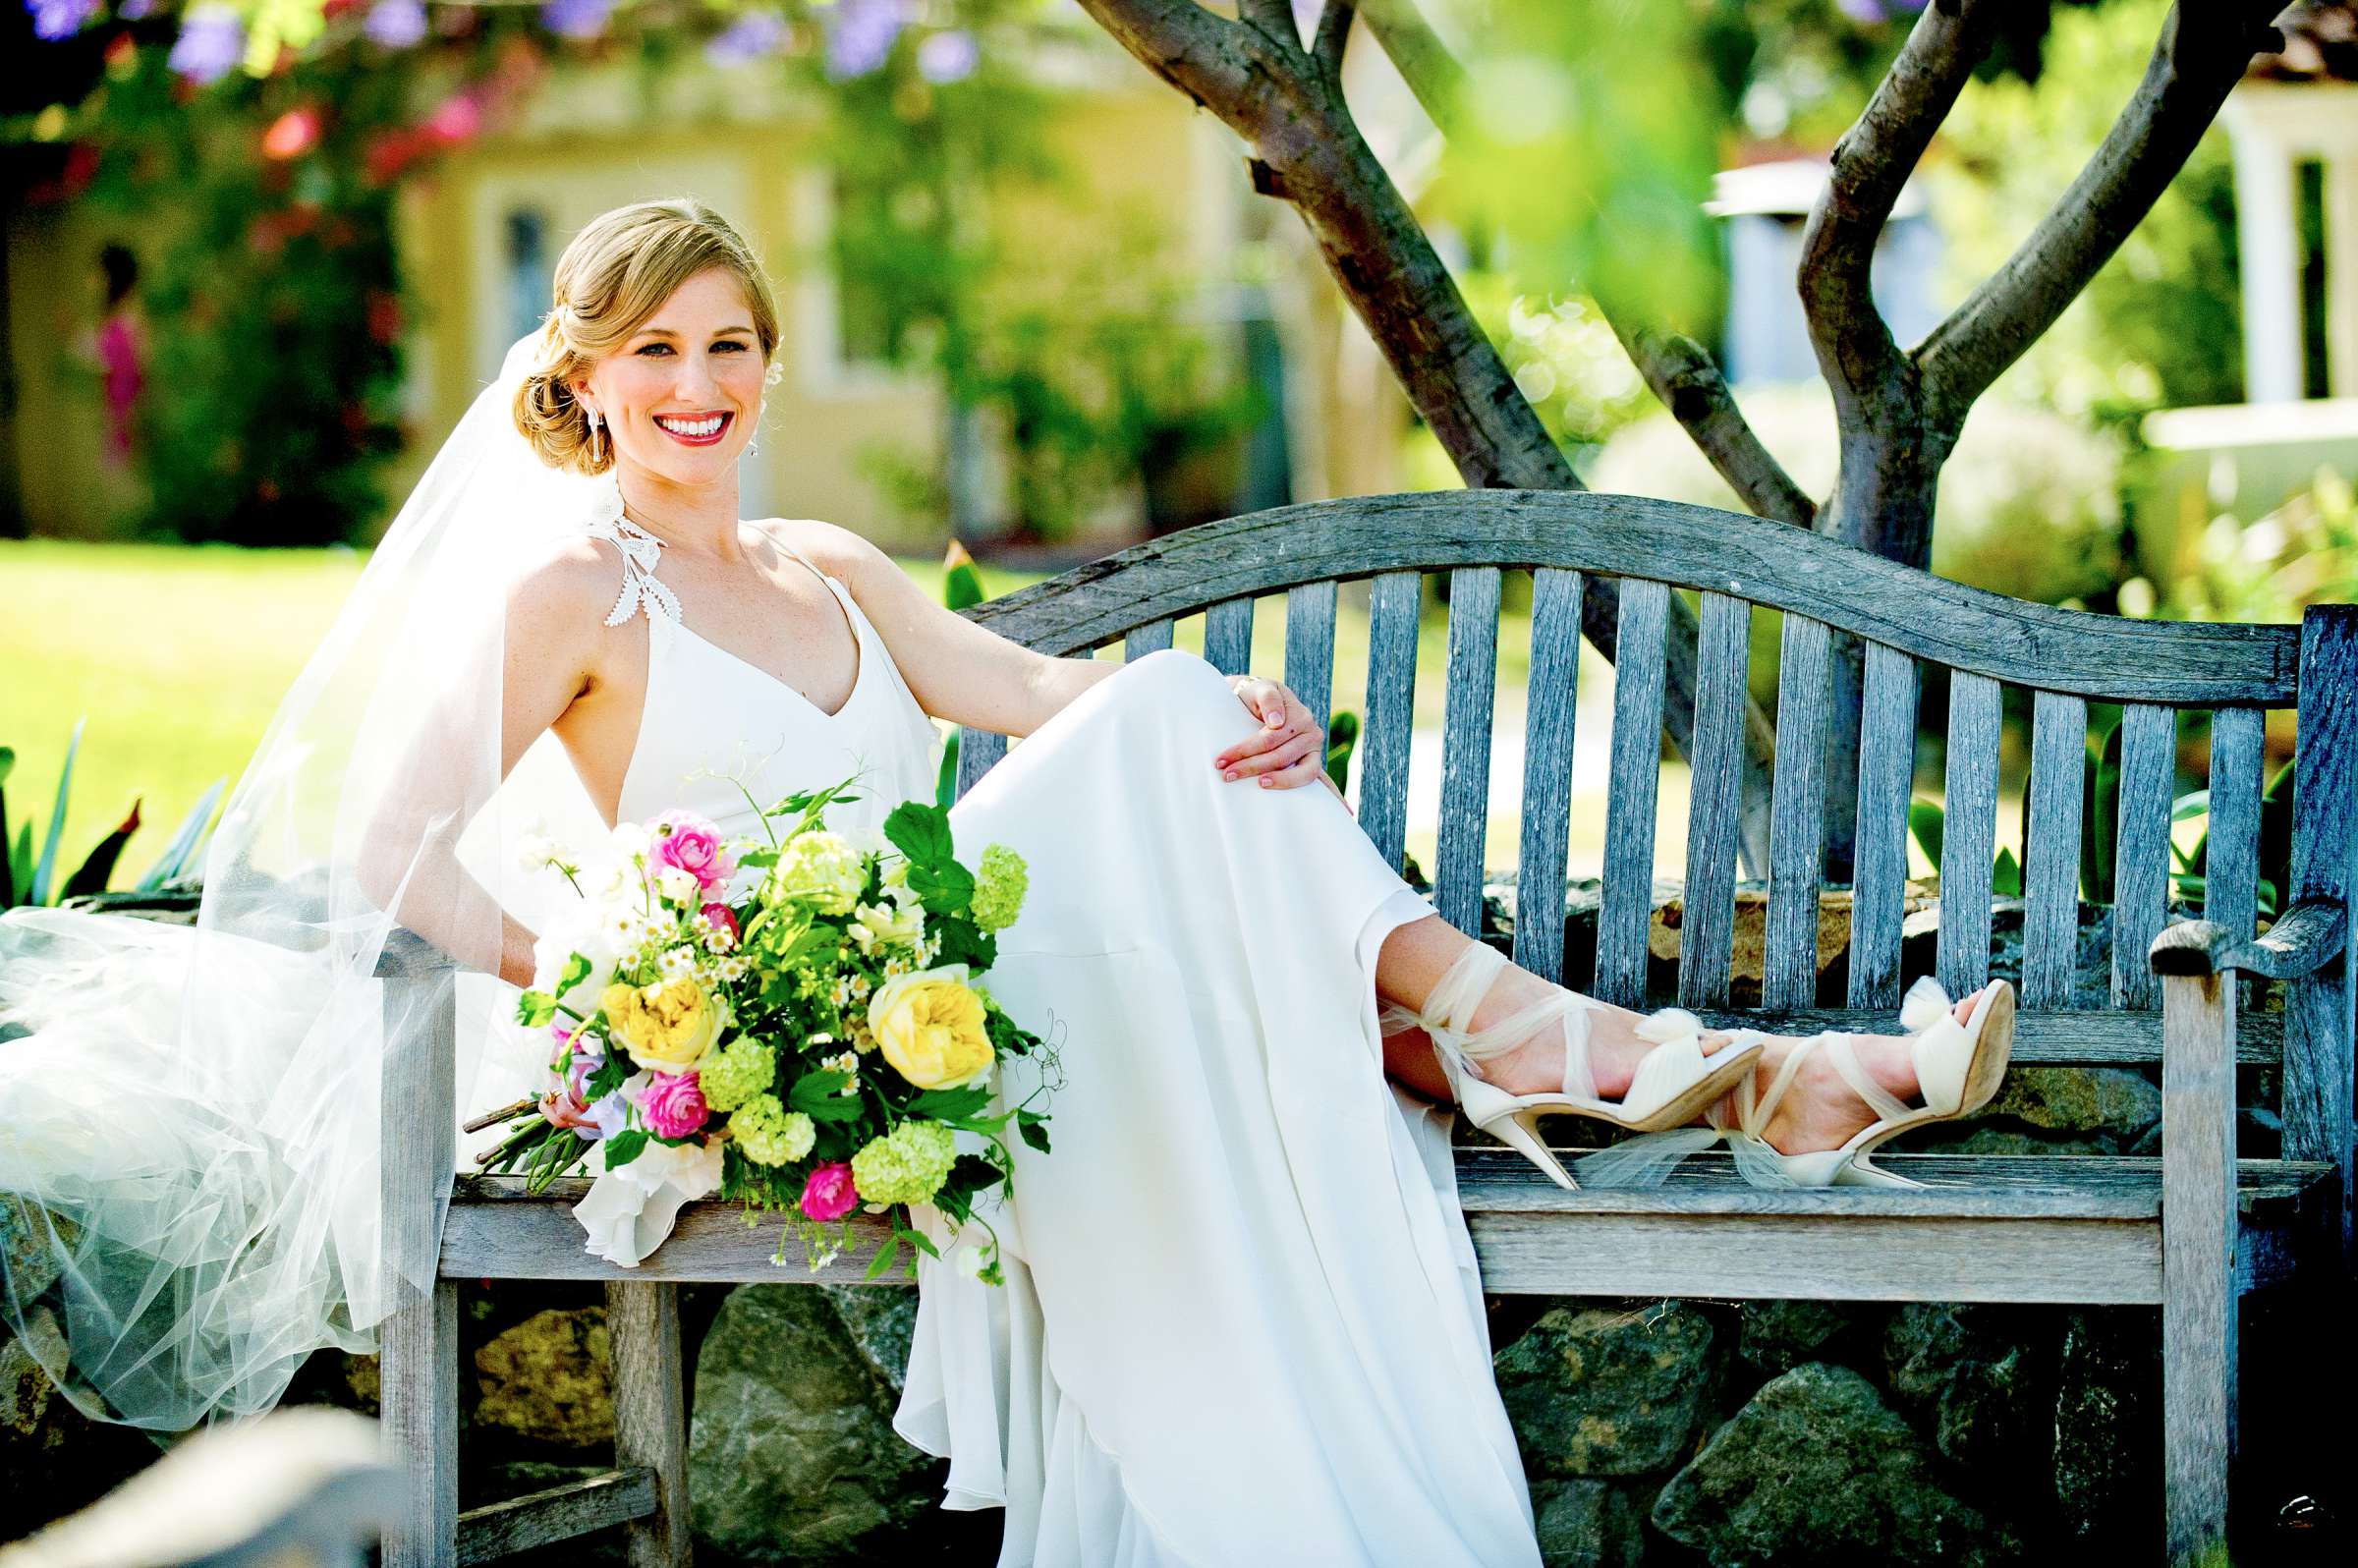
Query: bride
1242	1320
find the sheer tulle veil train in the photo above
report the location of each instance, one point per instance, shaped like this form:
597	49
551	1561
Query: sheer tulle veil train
188	1116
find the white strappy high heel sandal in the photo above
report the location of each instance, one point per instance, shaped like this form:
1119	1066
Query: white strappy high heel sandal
1958	1068
1673	1084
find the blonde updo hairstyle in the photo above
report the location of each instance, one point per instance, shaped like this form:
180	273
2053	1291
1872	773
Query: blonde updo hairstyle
611	279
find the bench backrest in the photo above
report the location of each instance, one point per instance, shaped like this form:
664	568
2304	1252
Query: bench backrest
1583	543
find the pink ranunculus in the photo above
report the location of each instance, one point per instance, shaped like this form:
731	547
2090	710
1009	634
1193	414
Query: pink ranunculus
673	1104
693	844
829	1194
721	918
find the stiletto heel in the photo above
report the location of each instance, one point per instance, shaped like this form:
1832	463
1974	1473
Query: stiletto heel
1672	1085
1958	1068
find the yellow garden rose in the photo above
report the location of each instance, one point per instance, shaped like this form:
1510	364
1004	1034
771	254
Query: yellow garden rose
930	1024
667	1027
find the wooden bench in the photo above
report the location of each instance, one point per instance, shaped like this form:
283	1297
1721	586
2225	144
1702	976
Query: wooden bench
2189	1231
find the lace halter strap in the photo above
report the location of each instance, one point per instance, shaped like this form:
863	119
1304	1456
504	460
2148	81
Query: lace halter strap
641	591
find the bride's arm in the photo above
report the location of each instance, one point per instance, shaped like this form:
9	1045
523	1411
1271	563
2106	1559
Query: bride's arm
531	667
969	674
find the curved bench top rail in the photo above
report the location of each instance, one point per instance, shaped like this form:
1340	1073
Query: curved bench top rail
1775	565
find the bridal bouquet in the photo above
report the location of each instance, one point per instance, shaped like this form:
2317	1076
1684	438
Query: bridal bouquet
809	1047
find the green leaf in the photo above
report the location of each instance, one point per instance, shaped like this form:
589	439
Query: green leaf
945	888
19	864
2005	876
2100	816
949	1105
819	1095
536	1009
2196	803
885	1257
1035	1134
8	762
576	971
46	868
624	1147
1928	823
178	855
921	833
100	864
760	857
607	1078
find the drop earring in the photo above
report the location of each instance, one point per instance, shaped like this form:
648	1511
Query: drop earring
596	445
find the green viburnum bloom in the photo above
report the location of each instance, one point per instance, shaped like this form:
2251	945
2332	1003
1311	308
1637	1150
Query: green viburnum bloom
769	1134
906	1166
820	868
736	1073
999	885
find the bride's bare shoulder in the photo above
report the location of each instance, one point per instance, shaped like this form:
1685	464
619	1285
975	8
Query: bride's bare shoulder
831	547
560	598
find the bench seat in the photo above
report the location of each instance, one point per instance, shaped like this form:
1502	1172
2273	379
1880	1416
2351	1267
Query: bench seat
2076	1228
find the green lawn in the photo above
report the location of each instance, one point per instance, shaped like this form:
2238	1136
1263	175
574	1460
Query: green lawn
177	656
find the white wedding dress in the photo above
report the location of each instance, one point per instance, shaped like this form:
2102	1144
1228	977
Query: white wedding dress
1242	1322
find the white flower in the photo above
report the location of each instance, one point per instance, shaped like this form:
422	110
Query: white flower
969	1260
679	886
537	851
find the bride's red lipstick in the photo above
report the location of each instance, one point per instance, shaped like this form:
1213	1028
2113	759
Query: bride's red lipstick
726	420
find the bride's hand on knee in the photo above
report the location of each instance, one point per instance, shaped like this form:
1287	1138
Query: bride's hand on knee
1288	749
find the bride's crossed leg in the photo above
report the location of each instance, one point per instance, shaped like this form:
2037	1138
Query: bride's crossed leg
1820	1112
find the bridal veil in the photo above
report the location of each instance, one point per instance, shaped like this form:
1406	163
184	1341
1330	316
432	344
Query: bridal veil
189	1117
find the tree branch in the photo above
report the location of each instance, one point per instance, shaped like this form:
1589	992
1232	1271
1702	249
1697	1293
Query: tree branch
1334	31
1273	19
1424	62
1192	49
2202	53
1872	162
1688	381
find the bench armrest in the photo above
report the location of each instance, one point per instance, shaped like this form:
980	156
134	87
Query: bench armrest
2310	934
408	955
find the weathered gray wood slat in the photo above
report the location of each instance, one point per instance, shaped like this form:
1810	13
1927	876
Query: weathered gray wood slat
1707	924
2198	1244
2318	1058
1553	691
2149	741
1969	839
1151	638
419	1342
2051	863
1310	646
2232	848
559	1513
1394	600
1634	777
1771	564
977	750
1879	851
1796	835
1228	634
2043	1038
536	1237
1466	714
650	1413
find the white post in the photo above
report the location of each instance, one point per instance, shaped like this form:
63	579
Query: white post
2268	237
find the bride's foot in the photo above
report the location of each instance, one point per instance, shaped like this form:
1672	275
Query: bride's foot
1822	1111
1537	1066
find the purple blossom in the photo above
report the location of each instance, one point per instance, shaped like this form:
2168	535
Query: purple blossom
749	37
134	10
59	19
395	24
211	43
575	18
1874	11
948	56
861	34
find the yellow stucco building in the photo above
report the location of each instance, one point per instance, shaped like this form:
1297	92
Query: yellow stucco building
479	231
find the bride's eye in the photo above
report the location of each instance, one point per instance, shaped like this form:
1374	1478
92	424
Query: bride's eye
652	347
